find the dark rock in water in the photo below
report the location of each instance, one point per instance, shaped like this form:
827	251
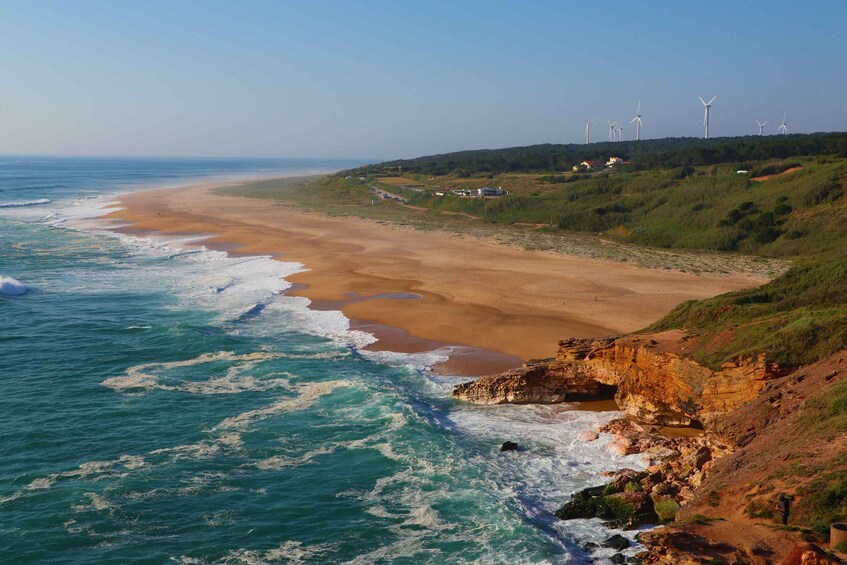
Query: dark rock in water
581	504
627	509
618	542
590	546
509	446
617	558
633	561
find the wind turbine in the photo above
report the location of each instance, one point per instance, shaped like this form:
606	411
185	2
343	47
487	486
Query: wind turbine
708	106
761	126
637	121
619	131
612	130
784	127
588	131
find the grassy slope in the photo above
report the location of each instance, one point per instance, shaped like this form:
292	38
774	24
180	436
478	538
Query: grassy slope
699	208
797	318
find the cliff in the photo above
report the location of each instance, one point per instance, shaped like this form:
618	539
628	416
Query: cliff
770	436
653	380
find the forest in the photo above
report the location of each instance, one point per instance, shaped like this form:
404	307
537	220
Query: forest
642	155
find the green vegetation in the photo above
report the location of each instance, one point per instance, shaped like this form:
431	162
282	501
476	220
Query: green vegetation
698	519
797	318
707	207
643	155
761	509
823	501
666	509
826	415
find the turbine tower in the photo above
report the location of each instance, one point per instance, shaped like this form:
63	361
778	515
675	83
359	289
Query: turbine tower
784	127
637	121
612	130
620	133
588	131
761	126
708	106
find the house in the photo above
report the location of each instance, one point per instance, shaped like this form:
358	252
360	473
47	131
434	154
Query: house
592	164
616	161
488	191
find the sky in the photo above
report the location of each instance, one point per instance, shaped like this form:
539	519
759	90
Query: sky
390	79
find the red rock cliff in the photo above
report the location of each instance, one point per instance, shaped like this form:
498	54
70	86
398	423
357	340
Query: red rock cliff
654	381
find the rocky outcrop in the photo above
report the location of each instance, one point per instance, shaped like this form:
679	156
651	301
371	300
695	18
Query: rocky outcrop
537	382
654	381
677	466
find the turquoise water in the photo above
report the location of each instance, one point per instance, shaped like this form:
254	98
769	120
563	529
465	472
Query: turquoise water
163	403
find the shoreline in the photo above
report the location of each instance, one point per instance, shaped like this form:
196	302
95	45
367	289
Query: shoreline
494	305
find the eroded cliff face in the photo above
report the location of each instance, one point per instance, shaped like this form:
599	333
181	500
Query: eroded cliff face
537	382
654	381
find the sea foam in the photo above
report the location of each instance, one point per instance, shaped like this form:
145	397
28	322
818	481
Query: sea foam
12	287
244	294
26	203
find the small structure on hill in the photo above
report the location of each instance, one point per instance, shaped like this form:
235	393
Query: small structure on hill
592	164
489	191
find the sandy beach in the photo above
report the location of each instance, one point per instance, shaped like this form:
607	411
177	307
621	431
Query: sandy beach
416	290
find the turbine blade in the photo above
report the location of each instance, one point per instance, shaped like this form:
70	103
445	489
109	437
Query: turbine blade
701	100
712	100
638	111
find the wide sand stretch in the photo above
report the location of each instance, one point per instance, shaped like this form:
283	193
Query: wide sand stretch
472	292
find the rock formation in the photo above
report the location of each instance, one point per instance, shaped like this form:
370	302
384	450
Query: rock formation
654	382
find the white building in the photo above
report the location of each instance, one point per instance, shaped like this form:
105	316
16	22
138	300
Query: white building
488	191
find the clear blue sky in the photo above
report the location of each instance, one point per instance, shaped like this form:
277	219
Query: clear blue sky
385	79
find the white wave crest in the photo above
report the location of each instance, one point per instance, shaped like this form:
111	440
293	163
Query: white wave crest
293	552
280	462
113	467
12	287
148	376
25	203
227	436
95	502
308	394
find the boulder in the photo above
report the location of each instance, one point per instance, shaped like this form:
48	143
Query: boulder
509	446
665	507
618	542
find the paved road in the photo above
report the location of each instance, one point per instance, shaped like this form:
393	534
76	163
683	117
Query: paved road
385	195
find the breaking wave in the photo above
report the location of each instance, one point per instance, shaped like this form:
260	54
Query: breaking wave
25	203
12	287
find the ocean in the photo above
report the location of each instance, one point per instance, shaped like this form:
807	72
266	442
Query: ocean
171	404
